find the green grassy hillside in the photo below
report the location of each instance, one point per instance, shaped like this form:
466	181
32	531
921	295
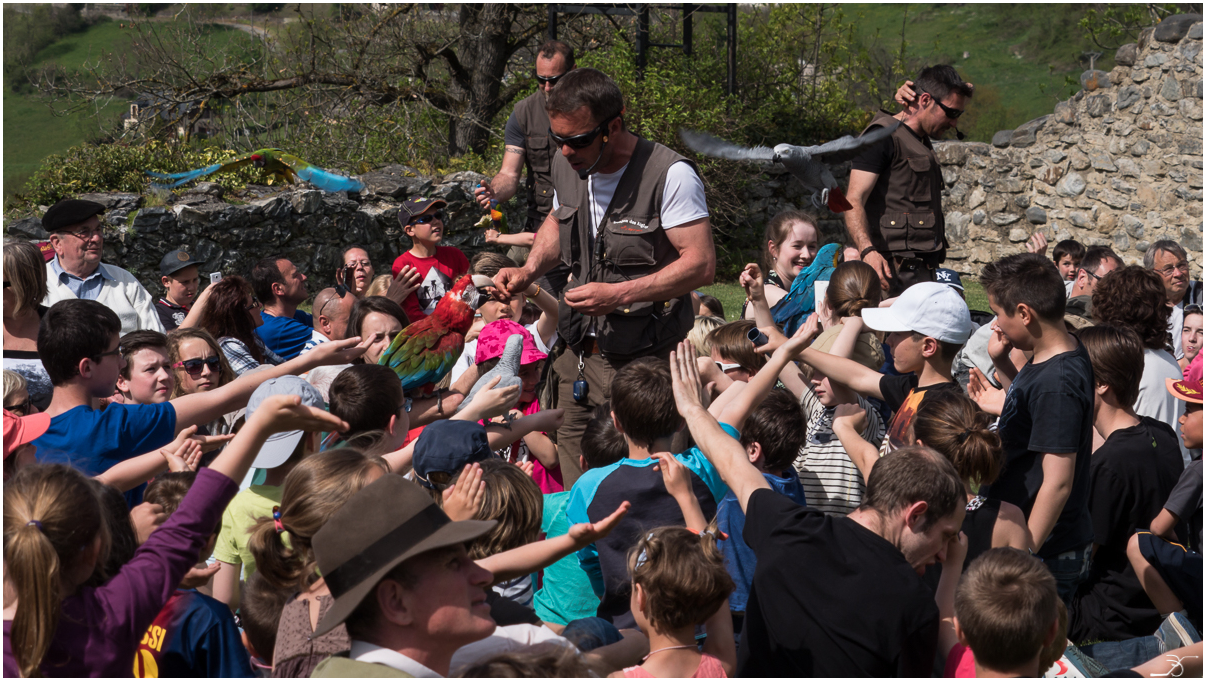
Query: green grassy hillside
32	132
1019	56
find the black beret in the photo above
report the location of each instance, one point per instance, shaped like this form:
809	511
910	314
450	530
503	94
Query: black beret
69	212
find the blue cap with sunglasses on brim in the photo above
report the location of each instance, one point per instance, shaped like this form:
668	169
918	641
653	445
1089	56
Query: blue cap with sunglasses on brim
416	206
447	447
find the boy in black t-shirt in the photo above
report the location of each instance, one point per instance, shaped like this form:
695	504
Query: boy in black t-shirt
1131	475
1047	415
927	326
835	596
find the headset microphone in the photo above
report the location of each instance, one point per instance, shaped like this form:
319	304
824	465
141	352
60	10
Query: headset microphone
583	173
959	134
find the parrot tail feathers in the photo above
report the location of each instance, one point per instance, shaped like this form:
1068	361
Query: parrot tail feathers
837	201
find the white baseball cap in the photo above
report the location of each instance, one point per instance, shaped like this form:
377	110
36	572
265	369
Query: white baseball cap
280	446
929	308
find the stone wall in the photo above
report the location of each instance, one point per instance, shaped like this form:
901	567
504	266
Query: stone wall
230	232
1119	164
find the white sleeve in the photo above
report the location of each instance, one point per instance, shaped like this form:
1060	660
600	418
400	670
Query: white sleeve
683	199
556	203
465	360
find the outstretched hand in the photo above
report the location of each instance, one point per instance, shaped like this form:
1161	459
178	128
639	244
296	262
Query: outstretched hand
199	576
674	474
340	351
751	280
281	413
990	399
463	499
684	377
406	283
1037	243
585	534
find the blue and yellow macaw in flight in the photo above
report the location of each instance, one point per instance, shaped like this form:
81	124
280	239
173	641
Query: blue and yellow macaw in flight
277	163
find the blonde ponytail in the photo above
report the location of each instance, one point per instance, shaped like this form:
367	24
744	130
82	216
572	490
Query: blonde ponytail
51	515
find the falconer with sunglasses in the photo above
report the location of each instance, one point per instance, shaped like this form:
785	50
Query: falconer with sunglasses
76	271
438	266
897	222
631	220
528	146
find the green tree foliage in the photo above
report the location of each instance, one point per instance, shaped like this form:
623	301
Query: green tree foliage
28	29
1109	26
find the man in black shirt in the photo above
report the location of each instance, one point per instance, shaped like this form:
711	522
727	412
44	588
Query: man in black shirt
835	596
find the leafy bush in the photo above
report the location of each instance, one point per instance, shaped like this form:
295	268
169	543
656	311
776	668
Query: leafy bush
120	167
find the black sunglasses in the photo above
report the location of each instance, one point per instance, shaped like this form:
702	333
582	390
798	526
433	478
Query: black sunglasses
195	366
7	285
950	113
1193	309
21	409
424	219
255	302
581	141
550	80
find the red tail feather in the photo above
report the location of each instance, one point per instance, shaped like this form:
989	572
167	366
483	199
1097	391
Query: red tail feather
837	201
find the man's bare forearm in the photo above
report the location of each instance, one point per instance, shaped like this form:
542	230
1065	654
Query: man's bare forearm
856	226
546	250
506	182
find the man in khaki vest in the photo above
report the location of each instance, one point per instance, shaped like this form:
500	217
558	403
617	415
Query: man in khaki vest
527	144
631	221
896	187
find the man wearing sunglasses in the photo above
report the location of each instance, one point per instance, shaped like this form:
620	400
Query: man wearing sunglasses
1171	262
630	218
896	186
527	145
76	271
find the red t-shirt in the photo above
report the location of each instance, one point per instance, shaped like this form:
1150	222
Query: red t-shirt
960	663
439	274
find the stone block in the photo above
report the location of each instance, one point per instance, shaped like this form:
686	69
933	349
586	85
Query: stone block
1036	215
1106	222
1001	138
995	204
1071	185
1021	201
1054	155
1189	51
1079	219
951	153
978	217
1052	174
1133	226
26	228
1025	135
1195	32
1127	97
116	200
1010	185
1191	108
1140	75
1100	160
1113	199
1121	186
1127	167
1170	89
949	175
1094	80
1140	147
1175	27
1079	161
1017	235
976	199
1121	240
1191	239
1127	54
1003	219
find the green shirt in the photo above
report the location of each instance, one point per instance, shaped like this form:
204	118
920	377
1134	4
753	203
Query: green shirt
565	594
244	511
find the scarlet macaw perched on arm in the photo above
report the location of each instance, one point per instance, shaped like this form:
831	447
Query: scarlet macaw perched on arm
278	164
424	352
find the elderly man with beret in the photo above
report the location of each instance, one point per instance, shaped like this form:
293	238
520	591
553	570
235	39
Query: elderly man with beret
76	270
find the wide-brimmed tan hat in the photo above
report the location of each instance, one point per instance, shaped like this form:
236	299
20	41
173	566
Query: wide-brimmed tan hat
384	524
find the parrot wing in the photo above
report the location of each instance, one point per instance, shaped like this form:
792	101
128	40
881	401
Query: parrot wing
190	175
703	143
323	179
790	312
845	148
423	353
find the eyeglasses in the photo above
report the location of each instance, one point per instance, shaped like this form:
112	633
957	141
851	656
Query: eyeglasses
195	366
112	353
85	234
407	405
1167	270
581	141
1095	277
950	113
548	80
20	409
439	479
255	302
358	263
424	219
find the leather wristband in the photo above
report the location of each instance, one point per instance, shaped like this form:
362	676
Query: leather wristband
863	253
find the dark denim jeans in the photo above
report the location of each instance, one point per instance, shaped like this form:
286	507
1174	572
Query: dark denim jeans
1069	569
1117	655
589	633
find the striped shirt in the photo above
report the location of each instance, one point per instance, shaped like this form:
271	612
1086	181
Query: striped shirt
831	481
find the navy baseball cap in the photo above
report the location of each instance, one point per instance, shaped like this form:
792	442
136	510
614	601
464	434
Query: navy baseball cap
446	447
175	261
416	206
69	212
948	277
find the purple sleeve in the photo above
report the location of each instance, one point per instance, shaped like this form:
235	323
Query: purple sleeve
133	598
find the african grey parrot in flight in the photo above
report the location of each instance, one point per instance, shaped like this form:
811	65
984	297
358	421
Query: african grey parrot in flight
809	164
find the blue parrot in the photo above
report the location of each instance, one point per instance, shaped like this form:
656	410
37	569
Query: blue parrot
793	309
277	164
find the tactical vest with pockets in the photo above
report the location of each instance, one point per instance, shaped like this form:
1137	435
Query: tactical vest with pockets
538	156
631	244
906	202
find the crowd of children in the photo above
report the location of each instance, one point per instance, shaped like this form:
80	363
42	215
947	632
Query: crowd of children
891	489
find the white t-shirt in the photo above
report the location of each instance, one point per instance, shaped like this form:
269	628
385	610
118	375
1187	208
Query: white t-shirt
1154	399
683	199
1176	324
